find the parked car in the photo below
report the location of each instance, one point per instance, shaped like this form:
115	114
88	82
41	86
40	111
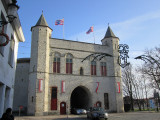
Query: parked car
83	111
97	113
78	111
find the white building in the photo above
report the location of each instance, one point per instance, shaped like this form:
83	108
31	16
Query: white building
8	56
57	79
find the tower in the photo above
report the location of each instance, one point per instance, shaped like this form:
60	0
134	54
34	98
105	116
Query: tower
112	42
39	68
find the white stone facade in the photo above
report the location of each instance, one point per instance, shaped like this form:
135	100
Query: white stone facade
8	58
43	50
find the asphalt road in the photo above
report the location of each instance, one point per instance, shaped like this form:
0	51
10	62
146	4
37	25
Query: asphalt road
112	116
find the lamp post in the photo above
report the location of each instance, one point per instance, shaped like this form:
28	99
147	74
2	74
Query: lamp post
152	61
123	50
11	15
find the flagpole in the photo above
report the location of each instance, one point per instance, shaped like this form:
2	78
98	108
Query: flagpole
93	35
63	28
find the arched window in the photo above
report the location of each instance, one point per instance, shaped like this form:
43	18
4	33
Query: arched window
81	71
69	61
93	67
103	69
56	63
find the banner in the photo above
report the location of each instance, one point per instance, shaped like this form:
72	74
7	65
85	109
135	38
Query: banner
40	85
97	87
118	87
62	86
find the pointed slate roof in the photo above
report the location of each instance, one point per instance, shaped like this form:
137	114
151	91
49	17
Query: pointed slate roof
42	21
109	33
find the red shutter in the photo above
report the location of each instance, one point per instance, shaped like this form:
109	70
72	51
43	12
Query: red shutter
66	67
94	69
58	67
91	69
54	67
70	68
101	70
105	71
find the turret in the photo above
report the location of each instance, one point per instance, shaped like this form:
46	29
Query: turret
39	67
112	42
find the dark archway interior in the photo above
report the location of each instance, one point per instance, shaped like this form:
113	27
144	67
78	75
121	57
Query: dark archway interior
80	98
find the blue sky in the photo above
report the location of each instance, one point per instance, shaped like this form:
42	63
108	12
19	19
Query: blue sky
135	22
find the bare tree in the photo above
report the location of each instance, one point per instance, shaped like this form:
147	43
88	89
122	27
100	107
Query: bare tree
135	86
151	67
127	78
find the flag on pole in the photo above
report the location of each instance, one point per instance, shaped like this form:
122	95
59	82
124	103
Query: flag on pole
90	30
59	22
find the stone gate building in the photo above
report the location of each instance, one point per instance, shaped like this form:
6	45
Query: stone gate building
59	81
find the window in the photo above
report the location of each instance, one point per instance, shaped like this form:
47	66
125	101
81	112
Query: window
11	52
56	63
2	39
69	62
103	69
106	101
81	71
93	67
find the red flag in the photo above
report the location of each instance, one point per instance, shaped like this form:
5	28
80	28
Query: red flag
90	30
59	22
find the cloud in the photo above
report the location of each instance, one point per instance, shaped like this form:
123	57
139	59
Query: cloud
125	30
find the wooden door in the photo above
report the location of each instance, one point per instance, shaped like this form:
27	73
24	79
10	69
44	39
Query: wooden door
98	104
54	98
62	108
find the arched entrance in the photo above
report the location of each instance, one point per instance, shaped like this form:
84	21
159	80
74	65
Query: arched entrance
80	98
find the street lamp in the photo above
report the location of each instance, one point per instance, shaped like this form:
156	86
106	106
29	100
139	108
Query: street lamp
150	59
12	12
11	15
123	50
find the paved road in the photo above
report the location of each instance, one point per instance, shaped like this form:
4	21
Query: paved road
115	116
135	116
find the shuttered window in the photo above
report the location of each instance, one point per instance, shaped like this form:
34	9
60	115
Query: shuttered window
69	64
93	68
56	65
103	69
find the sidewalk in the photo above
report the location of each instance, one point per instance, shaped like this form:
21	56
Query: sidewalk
49	117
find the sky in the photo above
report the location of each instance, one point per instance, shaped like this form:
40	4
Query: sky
135	22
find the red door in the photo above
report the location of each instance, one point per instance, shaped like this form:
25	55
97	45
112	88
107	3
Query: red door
98	104
62	108
54	98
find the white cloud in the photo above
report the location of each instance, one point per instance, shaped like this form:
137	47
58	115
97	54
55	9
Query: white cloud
124	30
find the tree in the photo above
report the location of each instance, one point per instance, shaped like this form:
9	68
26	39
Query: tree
128	78
135	86
151	67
